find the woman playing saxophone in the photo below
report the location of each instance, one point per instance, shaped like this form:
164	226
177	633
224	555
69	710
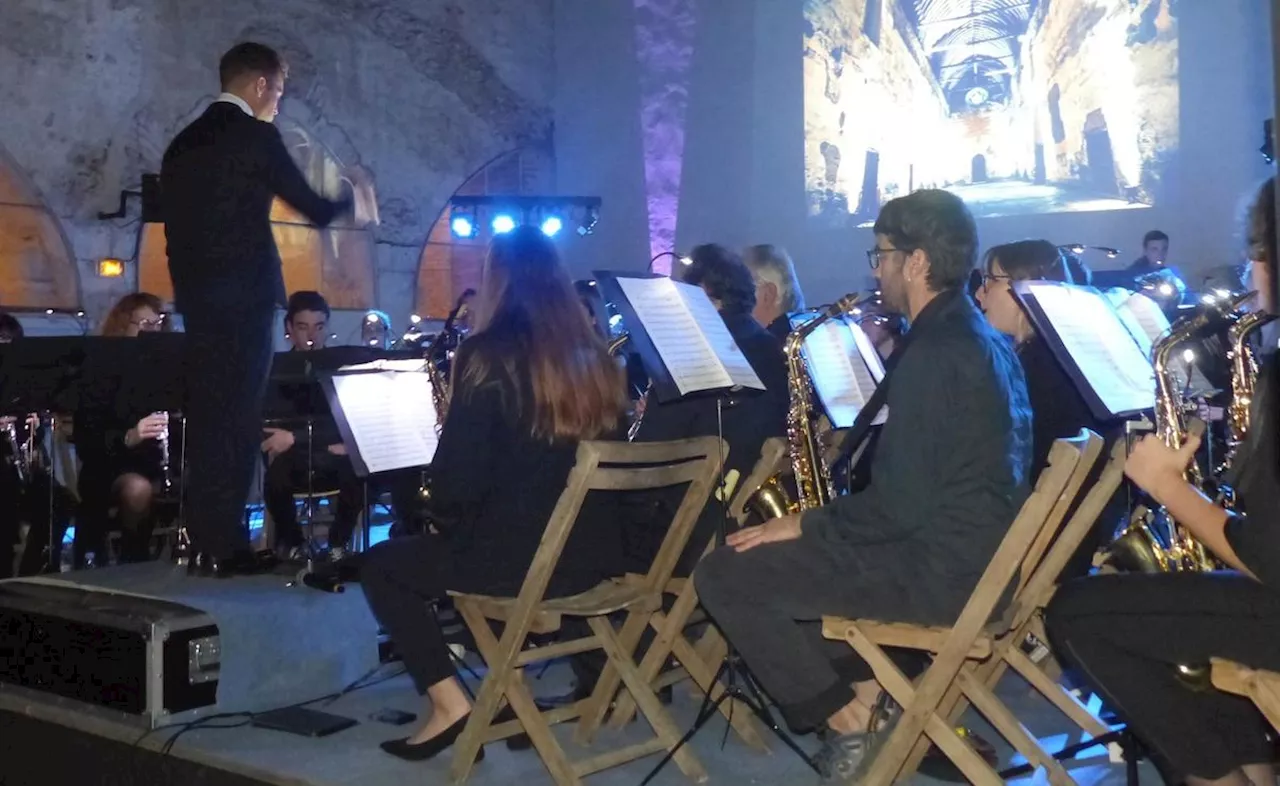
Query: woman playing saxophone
1127	633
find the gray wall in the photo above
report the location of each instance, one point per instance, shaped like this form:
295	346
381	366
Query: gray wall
421	92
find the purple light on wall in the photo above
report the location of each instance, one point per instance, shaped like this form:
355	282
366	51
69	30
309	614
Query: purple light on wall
664	48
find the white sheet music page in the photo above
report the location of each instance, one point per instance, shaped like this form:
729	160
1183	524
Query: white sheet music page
1100	344
676	334
1144	313
390	415
717	335
841	379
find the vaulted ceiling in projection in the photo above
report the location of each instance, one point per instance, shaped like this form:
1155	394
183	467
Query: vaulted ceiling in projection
974	46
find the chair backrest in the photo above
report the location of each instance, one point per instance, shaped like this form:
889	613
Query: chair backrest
1045	577
1089	451
1064	458
774	459
628	466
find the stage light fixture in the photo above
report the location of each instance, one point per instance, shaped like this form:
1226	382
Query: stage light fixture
551	225
503	223
686	261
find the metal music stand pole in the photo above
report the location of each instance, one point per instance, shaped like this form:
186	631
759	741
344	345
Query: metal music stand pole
739	683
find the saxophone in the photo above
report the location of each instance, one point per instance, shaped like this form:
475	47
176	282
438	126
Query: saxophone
1244	376
814	486
439	385
616	345
1139	547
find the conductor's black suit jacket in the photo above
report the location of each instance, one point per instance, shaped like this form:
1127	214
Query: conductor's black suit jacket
217	181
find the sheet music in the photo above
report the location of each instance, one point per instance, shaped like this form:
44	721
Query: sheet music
1144	313
404	364
676	334
390	415
842	378
717	335
1100	345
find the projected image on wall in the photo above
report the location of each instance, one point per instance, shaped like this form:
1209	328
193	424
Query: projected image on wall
1018	106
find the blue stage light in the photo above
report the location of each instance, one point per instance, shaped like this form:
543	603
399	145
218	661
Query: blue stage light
551	225
503	223
462	226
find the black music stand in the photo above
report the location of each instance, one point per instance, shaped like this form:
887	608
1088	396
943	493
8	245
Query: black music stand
739	684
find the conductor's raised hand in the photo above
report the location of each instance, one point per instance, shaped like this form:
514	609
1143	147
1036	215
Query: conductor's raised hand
772	531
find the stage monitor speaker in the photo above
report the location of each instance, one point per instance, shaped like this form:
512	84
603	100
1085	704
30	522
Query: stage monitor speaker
125	657
152	203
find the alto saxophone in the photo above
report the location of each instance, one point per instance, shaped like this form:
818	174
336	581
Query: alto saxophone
813	481
439	385
1174	549
1244	377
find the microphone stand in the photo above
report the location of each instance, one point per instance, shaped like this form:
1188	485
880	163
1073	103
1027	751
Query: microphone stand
739	684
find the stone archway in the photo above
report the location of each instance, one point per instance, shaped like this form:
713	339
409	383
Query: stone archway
450	265
37	266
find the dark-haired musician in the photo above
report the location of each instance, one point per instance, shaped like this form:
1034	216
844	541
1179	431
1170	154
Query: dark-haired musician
532	381
289	455
1128	633
120	452
219	177
947	480
747	417
1058	409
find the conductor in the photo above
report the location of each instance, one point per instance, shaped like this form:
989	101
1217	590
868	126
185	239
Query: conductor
218	179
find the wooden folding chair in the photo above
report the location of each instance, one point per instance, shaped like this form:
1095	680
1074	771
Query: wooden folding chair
702	660
604	466
965	641
1025	614
1260	686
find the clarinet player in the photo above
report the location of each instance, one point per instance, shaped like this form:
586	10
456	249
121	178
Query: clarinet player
218	178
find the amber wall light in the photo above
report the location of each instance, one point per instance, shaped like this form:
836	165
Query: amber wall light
110	268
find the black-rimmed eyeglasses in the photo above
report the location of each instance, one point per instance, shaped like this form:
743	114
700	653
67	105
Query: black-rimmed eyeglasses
874	255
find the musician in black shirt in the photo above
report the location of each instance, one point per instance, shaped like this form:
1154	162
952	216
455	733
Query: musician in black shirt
947	479
289	454
119	451
1128	633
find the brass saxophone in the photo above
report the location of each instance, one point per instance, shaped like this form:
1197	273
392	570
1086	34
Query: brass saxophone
1244	377
814	487
1174	549
439	385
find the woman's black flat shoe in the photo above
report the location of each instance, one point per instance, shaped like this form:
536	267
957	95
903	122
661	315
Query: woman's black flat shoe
403	749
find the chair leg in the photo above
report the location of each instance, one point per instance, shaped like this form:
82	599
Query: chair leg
594	711
642	691
1009	727
667	627
504	680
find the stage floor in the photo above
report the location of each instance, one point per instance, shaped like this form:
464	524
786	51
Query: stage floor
352	757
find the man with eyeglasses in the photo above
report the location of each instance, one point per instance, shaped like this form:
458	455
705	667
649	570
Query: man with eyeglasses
947	479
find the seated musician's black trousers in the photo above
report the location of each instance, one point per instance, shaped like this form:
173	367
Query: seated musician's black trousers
287	475
1126	633
402	579
769	602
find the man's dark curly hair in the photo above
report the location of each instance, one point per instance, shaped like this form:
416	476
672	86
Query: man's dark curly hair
724	276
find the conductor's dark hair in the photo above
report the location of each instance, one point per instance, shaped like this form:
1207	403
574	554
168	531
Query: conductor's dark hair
939	224
1153	236
1030	260
724	276
10	328
305	300
249	59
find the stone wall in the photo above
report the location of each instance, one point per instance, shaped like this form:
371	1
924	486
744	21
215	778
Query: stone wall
420	92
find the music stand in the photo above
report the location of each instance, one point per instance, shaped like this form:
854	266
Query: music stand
664	318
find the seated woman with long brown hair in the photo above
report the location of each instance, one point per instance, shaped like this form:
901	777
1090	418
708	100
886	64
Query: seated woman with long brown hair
120	451
533	380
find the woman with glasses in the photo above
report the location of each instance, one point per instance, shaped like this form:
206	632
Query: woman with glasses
120	452
1057	408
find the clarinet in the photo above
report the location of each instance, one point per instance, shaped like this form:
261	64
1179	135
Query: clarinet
16	451
164	455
